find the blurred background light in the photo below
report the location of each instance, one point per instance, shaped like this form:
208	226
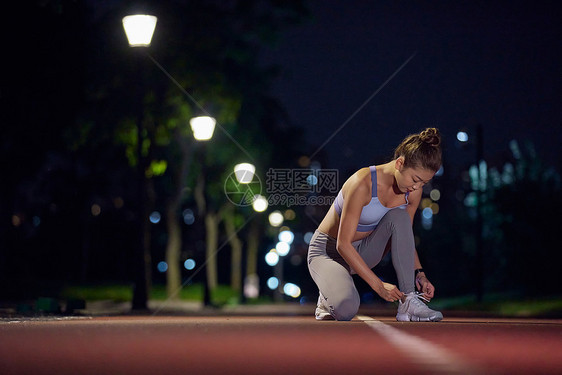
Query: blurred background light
252	286
118	202
155	217
425	202
276	218
244	172
312	180
308	237
260	203
435	194
462	137
282	248
189	264
96	209
427	222
162	267
292	290
434	208
272	258
16	220
188	216
427	213
290	214
286	236
272	283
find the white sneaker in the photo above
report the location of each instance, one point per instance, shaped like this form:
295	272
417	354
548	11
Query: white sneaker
414	310
322	312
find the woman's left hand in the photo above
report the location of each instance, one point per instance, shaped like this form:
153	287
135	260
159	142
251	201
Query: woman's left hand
425	287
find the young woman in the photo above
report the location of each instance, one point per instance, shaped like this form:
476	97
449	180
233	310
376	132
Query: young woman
372	214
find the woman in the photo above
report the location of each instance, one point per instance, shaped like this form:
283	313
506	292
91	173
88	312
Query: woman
373	214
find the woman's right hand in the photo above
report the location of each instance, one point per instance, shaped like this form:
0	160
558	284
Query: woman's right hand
389	292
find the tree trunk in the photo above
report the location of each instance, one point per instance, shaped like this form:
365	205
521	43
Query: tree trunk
236	250
173	246
253	248
173	252
212	237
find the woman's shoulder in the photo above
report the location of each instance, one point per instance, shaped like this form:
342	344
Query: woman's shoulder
358	185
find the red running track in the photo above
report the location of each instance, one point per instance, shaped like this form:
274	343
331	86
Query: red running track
279	345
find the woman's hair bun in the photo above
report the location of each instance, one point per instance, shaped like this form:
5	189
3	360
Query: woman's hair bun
431	136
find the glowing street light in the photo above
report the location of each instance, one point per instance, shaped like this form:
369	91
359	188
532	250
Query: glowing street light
244	172
203	127
139	29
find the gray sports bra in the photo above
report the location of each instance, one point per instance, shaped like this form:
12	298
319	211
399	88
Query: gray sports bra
372	213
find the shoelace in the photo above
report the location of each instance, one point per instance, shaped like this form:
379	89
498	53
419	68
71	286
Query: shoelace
417	296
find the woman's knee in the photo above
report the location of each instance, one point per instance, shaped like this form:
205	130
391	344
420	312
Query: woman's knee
345	308
398	217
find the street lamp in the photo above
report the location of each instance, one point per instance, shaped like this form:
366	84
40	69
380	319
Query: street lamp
139	30
203	128
244	172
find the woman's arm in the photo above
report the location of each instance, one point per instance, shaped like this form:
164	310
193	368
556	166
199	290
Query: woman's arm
357	195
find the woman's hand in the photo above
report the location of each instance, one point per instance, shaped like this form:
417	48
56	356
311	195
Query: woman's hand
389	292
425	287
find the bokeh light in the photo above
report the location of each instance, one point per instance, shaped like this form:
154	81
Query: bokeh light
435	194
155	217
282	248
272	258
308	237
312	180
462	137
286	236
260	203
188	216
290	214
189	264
162	267
16	220
427	213
272	283
276	218
292	290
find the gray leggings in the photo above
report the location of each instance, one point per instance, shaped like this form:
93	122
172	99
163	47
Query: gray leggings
332	274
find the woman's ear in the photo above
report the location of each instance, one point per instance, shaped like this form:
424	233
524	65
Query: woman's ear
399	163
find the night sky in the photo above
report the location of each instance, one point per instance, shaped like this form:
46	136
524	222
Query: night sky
494	63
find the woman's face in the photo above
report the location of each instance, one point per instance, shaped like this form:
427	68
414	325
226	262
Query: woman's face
411	179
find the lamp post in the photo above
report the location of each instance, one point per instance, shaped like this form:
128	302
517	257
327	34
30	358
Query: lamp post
139	30
203	128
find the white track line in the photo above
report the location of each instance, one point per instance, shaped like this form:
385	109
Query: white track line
432	356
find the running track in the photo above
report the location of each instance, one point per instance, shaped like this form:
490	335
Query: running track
278	345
